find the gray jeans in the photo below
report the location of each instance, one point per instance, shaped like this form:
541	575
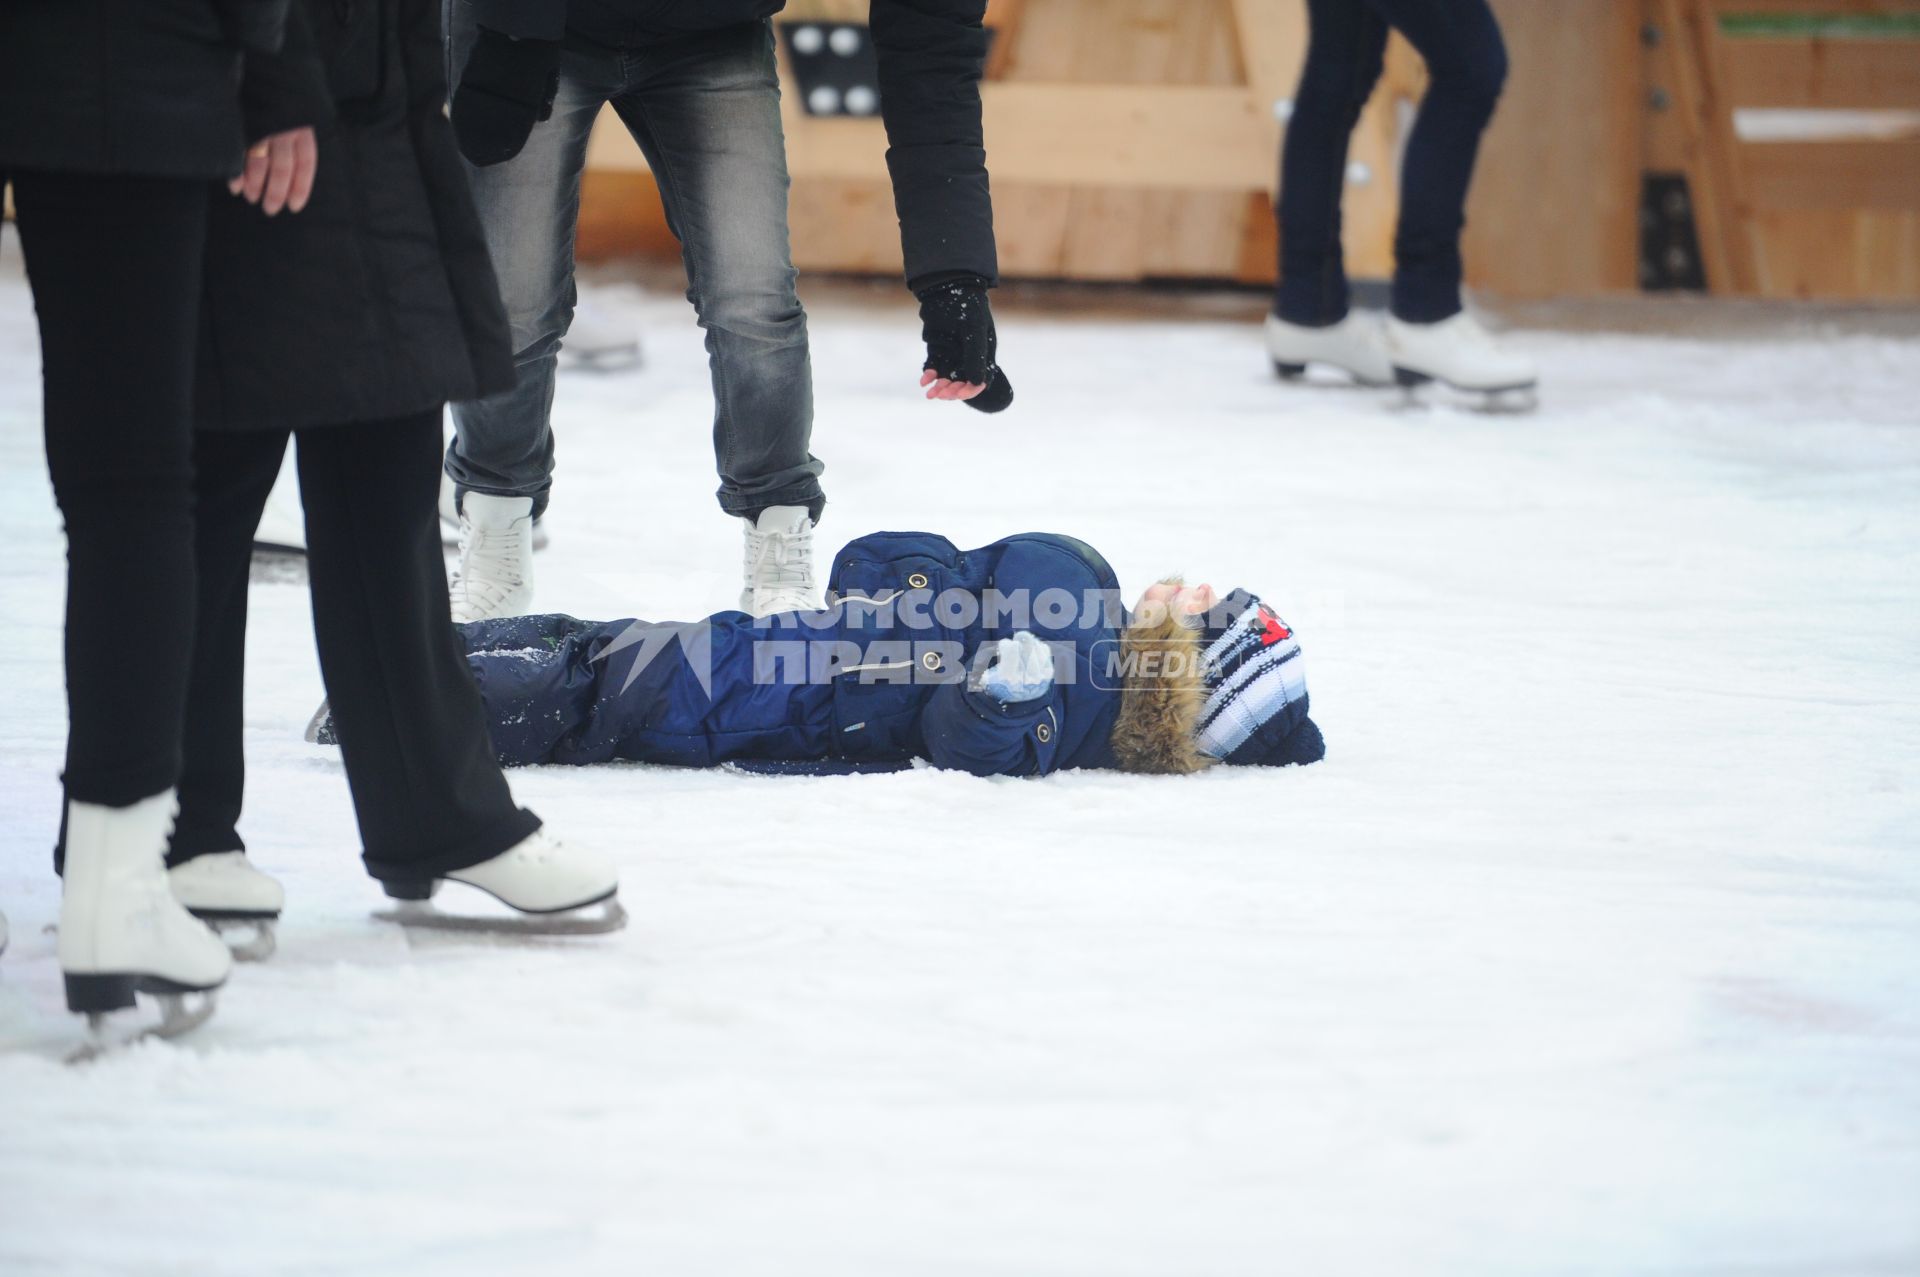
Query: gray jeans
705	109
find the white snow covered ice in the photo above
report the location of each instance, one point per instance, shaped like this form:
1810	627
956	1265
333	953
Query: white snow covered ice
1592	948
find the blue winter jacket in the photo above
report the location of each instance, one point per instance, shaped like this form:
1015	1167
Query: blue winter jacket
878	678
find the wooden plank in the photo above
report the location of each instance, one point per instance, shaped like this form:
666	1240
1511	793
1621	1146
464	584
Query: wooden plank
1031	222
1825	8
1833	175
1726	238
621	216
1840	254
1863	75
1117	176
611	148
1273	45
1555	202
1139	233
1005	15
1664	136
844	226
1125	42
1182	137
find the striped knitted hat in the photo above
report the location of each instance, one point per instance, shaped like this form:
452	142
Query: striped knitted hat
1256	708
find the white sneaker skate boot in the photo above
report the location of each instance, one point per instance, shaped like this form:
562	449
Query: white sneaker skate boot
226	892
121	930
495	576
779	562
1357	346
450	518
1460	353
539	876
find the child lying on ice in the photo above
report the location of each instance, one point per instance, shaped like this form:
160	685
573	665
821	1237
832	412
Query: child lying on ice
1016	659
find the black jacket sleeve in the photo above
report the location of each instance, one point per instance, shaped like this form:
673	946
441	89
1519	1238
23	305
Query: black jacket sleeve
523	19
932	54
286	89
254	24
461	241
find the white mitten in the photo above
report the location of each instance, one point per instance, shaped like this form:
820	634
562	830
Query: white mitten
1022	669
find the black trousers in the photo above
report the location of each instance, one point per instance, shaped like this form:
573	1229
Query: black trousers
114	264
1467	67
427	790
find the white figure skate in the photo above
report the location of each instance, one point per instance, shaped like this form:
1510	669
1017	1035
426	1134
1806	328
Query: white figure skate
1460	353
1357	346
450	518
121	930
495	576
778	570
227	893
557	891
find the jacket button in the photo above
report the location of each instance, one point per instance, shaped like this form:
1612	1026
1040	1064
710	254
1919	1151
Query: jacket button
932	661
1044	733
918	581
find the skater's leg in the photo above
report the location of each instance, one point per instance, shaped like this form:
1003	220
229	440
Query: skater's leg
426	788
114	264
1466	66
503	444
707	113
1345	55
233	473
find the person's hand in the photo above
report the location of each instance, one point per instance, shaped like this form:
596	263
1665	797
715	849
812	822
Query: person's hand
1021	669
957	324
279	172
506	88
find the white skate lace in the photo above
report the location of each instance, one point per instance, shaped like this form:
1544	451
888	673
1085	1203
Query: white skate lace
497	555
778	562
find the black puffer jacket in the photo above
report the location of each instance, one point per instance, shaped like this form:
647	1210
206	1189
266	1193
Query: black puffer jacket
932	53
131	87
378	300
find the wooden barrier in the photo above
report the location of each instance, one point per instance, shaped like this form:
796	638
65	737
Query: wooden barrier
1794	213
1138	139
1128	139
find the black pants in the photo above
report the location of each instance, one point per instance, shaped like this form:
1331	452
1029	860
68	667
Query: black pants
1467	66
114	263
157	557
426	787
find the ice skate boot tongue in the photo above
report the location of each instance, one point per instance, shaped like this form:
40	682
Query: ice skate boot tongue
778	567
495	576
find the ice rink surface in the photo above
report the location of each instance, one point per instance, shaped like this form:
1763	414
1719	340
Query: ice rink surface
1593	948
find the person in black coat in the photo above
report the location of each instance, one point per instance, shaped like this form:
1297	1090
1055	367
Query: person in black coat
163	299
350	327
696	84
119	119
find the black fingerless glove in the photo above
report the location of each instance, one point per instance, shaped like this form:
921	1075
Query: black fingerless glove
957	325
507	87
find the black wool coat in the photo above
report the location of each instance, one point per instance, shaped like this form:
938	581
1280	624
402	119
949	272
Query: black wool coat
145	88
378	300
931	54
